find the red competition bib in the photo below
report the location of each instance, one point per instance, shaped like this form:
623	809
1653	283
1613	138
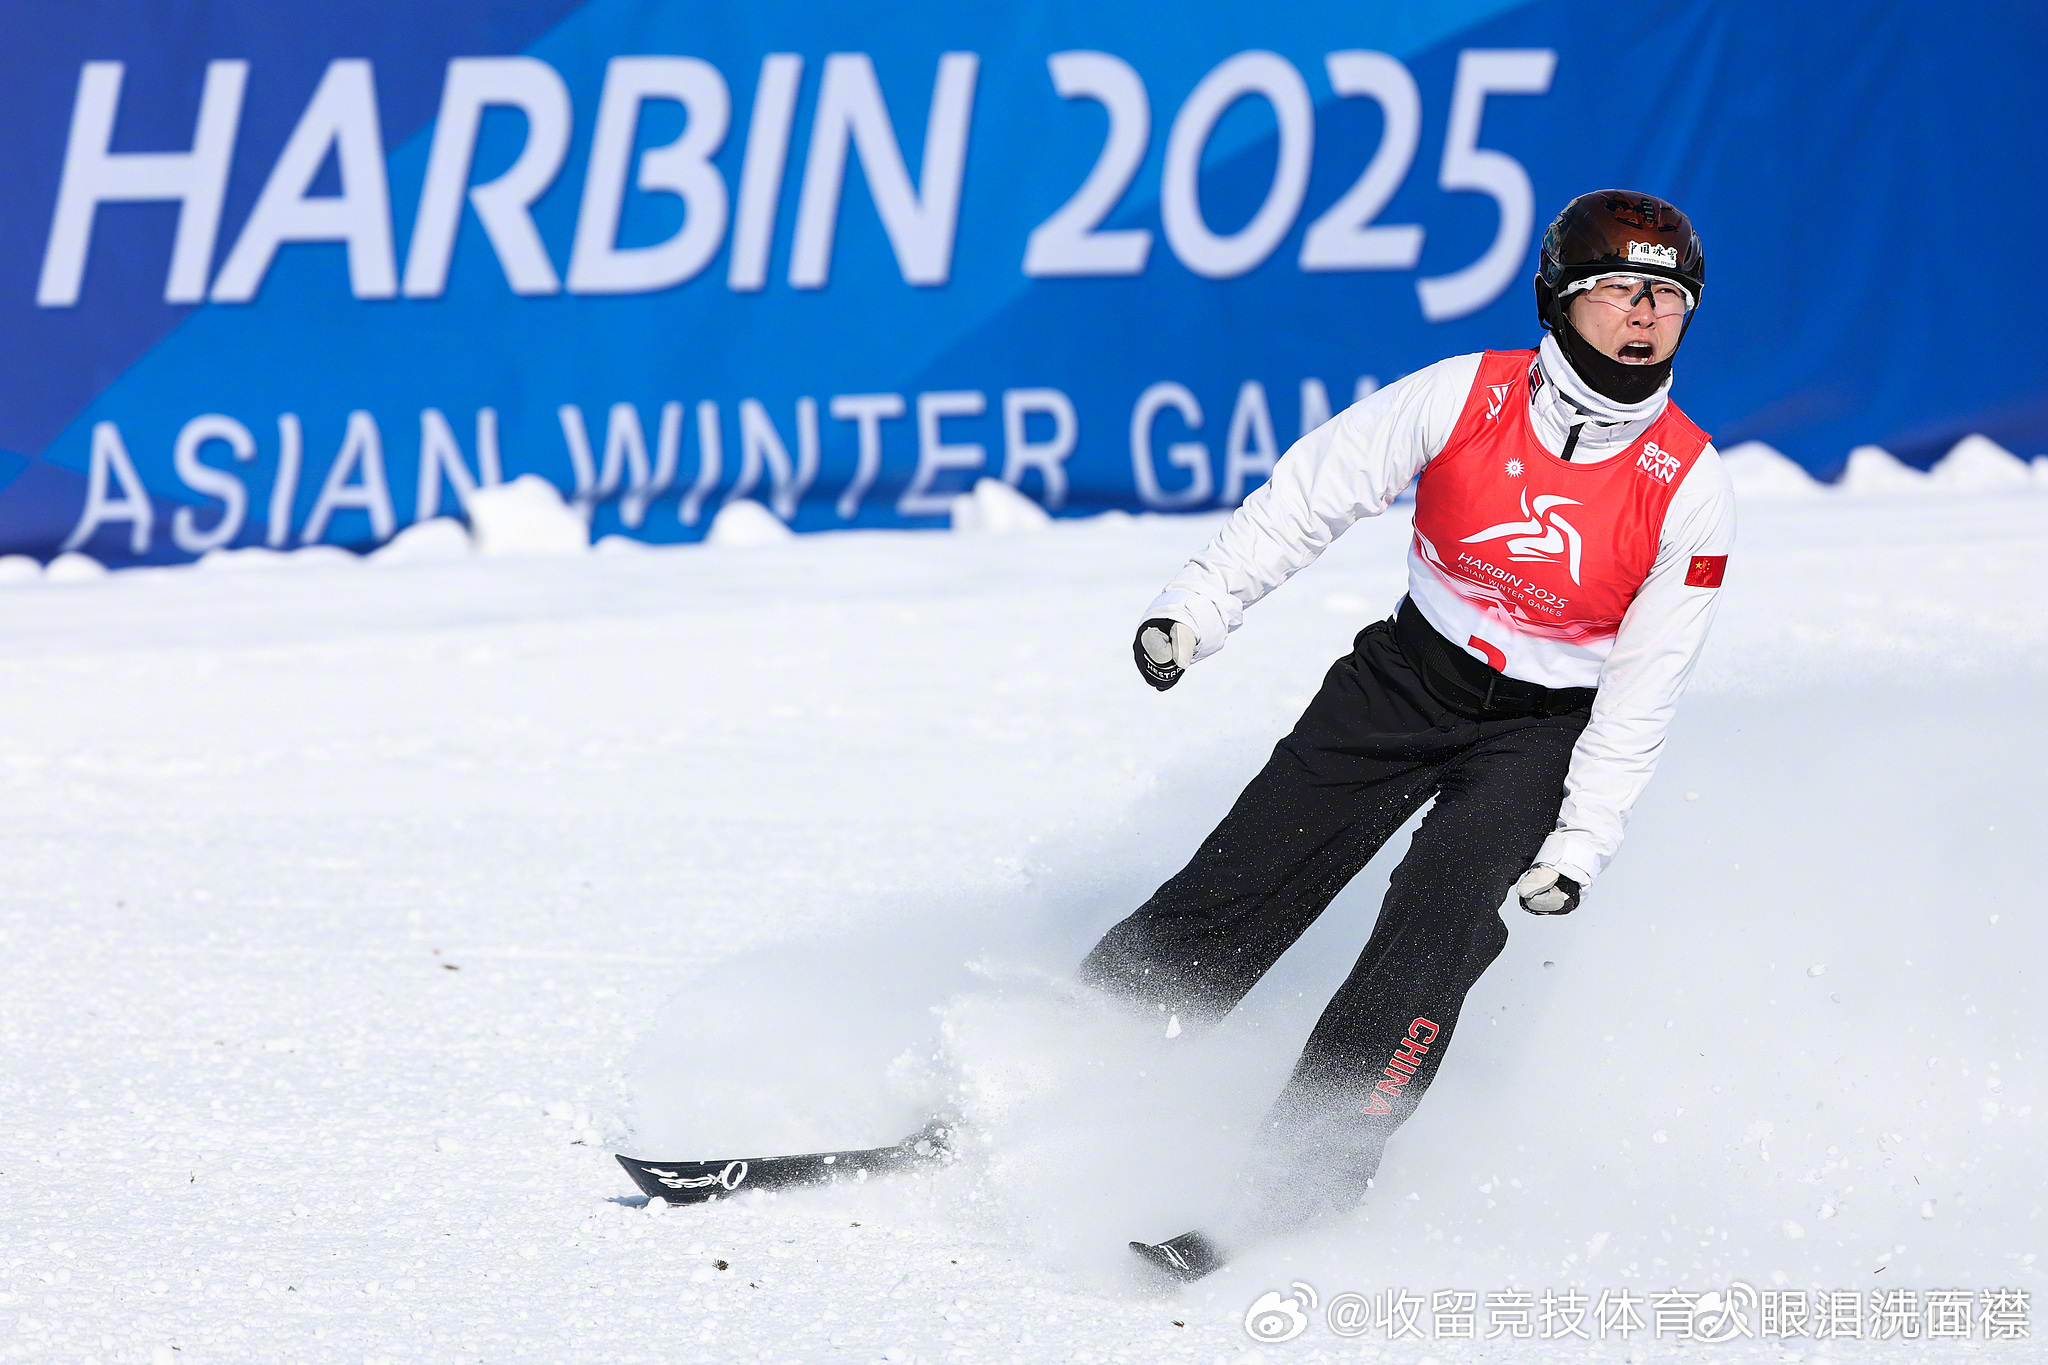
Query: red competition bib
1525	547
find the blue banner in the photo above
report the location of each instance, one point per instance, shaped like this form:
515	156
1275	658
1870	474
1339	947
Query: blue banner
293	273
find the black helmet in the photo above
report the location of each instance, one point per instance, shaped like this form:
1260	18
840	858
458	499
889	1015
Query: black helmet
1611	231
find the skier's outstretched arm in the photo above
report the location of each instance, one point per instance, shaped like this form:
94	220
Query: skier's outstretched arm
1352	466
1654	653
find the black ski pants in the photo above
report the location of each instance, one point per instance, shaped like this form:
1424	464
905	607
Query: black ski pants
1377	742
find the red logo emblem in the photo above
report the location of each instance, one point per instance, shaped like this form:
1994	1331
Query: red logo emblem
1705	571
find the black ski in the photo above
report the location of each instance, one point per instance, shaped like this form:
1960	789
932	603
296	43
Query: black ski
699	1182
1186	1258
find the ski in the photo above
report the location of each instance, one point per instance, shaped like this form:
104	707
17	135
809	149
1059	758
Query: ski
1186	1258
700	1182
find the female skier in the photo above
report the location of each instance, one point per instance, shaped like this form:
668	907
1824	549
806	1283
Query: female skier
1571	527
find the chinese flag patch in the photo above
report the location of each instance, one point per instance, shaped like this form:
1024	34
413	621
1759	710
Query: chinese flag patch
1705	571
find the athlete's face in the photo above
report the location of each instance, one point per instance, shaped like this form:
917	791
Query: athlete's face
1634	325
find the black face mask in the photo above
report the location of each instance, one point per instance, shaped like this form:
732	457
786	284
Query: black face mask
1607	376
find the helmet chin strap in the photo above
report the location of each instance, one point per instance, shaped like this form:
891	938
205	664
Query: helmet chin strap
1607	376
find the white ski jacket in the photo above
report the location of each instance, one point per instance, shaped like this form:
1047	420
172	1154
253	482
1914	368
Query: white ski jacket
1355	464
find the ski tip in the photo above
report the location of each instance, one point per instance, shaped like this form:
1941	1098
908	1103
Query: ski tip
1185	1258
658	1182
637	1173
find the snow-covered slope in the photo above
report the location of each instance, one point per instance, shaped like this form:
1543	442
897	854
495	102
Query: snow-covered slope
354	915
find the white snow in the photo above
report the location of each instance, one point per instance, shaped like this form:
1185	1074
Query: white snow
434	541
1978	462
744	523
351	921
526	517
73	567
1760	471
1873	469
993	506
1974	464
18	569
249	559
259	559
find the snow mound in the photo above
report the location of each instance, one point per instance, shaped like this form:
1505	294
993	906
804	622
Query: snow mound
620	545
1760	471
73	567
249	559
1873	469
1980	462
18	569
430	542
259	559
2040	468
995	507
526	517
745	523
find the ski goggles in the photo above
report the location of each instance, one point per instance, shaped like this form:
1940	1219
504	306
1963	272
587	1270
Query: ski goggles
1667	298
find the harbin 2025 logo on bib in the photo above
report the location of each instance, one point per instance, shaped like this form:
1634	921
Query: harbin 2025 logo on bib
1545	537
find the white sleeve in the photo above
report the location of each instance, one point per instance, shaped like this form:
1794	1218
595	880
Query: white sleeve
1642	680
1351	466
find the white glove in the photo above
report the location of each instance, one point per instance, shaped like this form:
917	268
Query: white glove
1546	891
1163	650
